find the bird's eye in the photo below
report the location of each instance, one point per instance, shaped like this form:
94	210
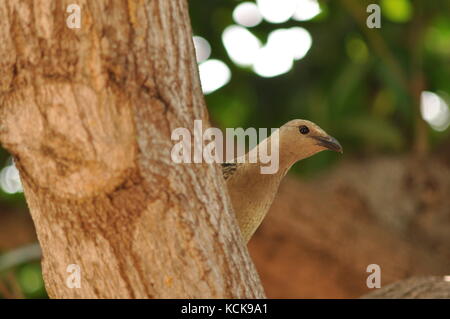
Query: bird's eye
303	129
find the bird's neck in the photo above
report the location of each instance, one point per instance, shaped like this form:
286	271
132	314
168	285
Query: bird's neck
293	151
277	153
274	156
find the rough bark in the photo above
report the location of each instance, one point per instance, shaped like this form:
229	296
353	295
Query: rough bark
88	114
414	288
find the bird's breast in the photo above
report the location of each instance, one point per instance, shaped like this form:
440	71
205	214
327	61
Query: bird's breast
252	195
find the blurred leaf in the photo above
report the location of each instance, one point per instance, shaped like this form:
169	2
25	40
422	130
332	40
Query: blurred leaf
357	49
30	279
372	132
231	110
347	88
397	10
384	104
437	38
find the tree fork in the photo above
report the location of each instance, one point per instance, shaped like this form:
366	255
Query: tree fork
87	114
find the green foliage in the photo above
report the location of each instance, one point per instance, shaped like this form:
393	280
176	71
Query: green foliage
355	82
397	10
30	280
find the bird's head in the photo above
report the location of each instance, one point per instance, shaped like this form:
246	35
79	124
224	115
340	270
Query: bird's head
302	138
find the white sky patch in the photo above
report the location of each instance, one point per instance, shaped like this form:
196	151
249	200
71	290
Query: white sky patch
276	57
10	180
296	40
241	45
213	75
282	48
202	48
434	110
306	10
277	11
272	61
247	14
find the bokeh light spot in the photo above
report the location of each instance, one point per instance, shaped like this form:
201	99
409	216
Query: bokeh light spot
247	14
434	111
298	40
282	48
202	48
30	278
241	45
272	61
213	75
10	180
357	49
277	11
437	37
306	10
397	10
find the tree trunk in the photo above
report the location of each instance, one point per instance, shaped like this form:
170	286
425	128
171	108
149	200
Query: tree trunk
414	288
88	114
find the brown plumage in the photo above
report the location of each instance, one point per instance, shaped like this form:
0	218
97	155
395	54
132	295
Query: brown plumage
251	192
228	169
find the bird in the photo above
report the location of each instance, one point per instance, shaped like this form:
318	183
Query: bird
252	193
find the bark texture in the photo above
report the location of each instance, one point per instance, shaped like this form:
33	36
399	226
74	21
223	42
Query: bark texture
415	288
88	114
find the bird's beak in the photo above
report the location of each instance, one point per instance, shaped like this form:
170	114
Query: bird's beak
329	142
